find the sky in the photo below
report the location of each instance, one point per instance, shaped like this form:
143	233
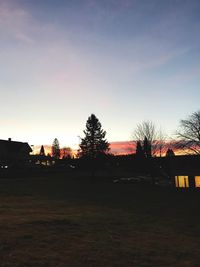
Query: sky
126	61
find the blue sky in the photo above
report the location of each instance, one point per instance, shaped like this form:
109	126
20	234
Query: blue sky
125	61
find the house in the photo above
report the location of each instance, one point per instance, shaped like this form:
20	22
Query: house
13	152
184	171
186	181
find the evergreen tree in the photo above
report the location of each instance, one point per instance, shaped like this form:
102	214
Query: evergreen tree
139	150
55	149
42	151
170	153
147	148
94	143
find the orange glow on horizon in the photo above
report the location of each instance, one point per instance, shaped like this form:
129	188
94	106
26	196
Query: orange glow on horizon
116	148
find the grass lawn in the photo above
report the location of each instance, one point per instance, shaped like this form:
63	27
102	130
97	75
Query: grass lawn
60	221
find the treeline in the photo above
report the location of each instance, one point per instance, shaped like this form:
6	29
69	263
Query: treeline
149	140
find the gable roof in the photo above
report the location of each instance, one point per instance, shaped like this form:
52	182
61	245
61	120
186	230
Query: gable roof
183	164
9	146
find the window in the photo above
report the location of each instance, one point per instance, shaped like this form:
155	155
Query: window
197	181
182	181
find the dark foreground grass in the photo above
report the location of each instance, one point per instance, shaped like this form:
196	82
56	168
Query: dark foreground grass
64	222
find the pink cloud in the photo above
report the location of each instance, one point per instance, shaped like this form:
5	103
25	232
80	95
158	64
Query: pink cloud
118	148
122	147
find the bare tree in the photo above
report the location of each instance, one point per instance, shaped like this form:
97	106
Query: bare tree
189	134
151	139
161	142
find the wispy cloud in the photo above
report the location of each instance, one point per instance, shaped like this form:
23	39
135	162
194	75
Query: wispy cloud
65	60
14	22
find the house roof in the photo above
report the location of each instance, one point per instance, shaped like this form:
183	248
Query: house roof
14	146
183	165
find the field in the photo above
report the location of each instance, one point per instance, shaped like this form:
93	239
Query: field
60	221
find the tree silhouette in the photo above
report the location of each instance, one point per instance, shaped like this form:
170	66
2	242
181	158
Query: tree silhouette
147	147
66	152
94	143
151	139
161	145
170	153
42	151
139	150
55	149
189	133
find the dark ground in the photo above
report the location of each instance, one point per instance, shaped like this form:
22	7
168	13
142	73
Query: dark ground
60	221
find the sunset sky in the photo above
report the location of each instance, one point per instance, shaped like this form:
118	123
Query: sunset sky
126	61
